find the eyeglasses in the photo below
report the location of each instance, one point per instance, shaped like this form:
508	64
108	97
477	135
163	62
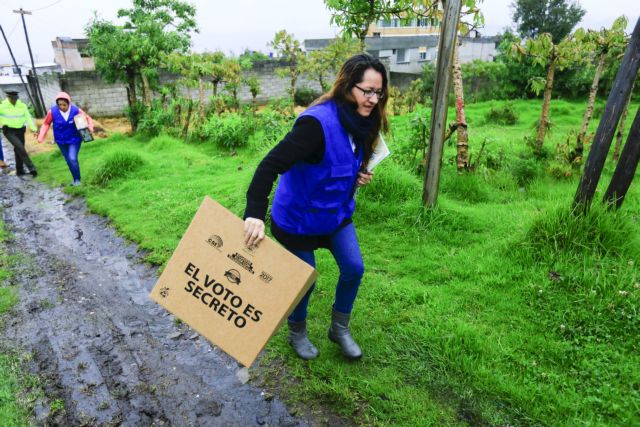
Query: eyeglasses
368	93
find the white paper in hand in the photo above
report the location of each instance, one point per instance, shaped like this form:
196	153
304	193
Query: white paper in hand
380	152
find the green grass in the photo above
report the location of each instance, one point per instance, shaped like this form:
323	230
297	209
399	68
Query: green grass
498	307
13	412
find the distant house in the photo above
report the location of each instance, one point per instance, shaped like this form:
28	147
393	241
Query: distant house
407	44
73	54
10	76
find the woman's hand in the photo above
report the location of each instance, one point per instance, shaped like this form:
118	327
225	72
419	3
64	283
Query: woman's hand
364	178
253	231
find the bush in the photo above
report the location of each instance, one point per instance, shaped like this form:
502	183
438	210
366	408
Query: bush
274	127
305	96
524	170
156	120
115	166
230	131
502	115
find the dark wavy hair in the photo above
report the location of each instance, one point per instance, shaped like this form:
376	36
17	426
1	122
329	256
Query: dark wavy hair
351	73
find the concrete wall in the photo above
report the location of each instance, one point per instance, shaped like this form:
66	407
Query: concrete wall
99	98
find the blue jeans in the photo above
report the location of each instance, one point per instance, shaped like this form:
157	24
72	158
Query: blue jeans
1	152
346	251
70	154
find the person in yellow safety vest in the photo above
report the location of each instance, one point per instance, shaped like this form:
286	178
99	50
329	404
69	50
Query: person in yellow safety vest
14	114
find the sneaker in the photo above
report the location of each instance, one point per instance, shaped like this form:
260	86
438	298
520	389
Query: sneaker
76	183
3	164
34	173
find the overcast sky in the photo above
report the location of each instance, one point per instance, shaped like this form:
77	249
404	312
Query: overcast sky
232	26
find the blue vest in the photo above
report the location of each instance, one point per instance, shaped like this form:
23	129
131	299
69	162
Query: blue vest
65	131
314	199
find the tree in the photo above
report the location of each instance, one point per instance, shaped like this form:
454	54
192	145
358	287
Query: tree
218	70
462	146
289	49
159	28
320	64
194	68
355	16
133	52
555	17
253	83
604	44
544	53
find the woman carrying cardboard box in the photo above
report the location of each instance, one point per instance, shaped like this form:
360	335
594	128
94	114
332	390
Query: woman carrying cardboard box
65	133
322	161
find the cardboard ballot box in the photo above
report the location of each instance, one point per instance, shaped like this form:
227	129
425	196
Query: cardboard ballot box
233	295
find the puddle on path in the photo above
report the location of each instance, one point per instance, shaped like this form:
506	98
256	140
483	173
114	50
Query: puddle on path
113	355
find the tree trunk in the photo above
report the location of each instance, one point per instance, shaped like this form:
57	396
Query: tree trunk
626	168
544	116
215	87
185	130
446	45
618	96
146	90
131	83
620	132
462	157
589	111
201	98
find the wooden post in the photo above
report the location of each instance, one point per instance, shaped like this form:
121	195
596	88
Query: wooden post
609	121
626	168
446	44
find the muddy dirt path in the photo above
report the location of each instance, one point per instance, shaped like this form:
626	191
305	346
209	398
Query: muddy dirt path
107	350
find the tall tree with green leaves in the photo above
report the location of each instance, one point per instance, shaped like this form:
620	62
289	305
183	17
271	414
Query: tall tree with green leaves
606	44
133	52
551	57
289	49
159	27
555	17
355	16
322	63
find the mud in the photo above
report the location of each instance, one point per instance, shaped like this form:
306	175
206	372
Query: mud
112	355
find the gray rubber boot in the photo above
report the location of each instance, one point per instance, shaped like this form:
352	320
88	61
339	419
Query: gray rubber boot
340	334
300	342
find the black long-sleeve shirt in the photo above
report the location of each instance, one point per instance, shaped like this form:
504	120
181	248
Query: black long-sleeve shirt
304	143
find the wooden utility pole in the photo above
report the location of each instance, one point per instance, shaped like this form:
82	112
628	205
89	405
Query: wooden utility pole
38	94
609	121
446	45
15	64
626	168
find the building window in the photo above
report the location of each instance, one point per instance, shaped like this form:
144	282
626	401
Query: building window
376	34
401	55
422	56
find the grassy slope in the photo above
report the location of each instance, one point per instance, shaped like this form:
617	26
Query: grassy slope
11	412
459	316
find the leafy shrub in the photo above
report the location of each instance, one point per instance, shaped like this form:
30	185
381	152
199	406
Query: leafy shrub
502	115
524	170
560	170
230	131
156	120
274	127
221	103
135	113
305	96
115	166
282	106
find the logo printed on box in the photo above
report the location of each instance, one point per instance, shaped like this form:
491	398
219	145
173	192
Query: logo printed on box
266	277
233	276
242	262
215	241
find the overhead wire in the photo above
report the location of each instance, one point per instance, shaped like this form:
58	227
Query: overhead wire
47	6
